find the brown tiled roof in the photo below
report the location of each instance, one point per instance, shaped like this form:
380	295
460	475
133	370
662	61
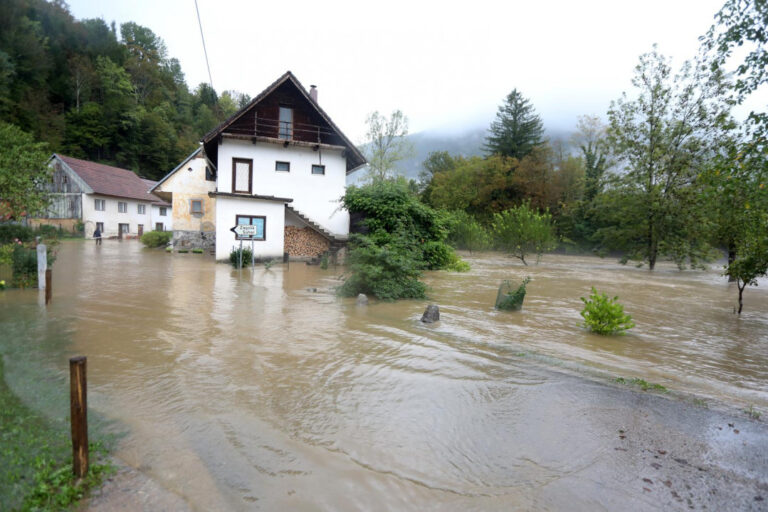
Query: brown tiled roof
157	201
110	181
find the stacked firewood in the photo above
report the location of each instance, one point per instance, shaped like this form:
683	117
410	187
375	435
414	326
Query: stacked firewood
304	242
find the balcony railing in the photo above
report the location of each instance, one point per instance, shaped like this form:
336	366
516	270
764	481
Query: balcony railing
285	130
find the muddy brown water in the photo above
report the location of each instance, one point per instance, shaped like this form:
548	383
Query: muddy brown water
263	390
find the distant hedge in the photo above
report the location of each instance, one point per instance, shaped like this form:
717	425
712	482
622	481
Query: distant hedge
156	238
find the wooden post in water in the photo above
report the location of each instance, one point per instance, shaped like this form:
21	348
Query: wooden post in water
48	285
79	414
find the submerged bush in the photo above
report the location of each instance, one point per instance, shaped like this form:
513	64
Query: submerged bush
388	270
509	298
605	316
234	257
156	238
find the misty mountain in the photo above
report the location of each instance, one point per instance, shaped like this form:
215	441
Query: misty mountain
467	144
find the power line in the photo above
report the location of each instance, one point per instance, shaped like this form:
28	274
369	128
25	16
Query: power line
210	79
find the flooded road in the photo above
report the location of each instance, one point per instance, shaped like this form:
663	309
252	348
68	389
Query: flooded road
252	391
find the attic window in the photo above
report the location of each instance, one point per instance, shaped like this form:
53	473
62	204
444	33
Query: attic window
286	123
283	166
196	206
318	169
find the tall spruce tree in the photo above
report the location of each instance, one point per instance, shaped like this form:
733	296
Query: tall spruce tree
516	130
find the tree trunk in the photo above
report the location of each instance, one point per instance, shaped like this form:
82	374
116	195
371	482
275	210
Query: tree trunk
731	258
741	292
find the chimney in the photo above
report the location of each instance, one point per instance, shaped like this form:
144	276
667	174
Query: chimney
313	92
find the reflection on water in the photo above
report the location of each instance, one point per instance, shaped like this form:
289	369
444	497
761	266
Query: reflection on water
250	389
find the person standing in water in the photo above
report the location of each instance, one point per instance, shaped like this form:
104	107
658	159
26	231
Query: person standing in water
97	235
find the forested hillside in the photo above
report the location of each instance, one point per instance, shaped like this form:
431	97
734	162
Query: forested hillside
103	93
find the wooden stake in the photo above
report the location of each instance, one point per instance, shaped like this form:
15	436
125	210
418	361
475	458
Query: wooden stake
79	414
48	284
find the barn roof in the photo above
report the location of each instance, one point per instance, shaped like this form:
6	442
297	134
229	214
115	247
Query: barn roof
109	181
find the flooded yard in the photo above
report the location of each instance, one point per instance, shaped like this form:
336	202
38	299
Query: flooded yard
263	390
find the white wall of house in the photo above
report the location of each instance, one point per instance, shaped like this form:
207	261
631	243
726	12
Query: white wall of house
111	217
227	209
315	195
157	217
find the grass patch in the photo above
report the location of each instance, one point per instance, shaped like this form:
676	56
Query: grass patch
197	251
752	412
36	459
642	384
183	251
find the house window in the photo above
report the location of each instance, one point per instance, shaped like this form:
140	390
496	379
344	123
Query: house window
286	123
124	228
259	221
318	169
163	211
241	175
142	209
283	166
159	226
196	206
99	205
100	226
122	207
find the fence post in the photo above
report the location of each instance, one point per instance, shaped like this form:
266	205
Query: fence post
42	264
48	285
78	401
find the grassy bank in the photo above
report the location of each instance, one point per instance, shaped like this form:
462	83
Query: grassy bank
36	459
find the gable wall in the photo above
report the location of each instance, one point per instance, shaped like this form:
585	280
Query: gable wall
185	185
317	196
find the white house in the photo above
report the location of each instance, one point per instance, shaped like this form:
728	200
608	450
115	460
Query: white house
279	164
116	200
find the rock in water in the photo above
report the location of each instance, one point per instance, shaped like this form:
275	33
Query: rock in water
362	299
431	314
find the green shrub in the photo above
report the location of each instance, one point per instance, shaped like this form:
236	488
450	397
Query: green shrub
234	257
48	231
605	316
12	232
465	232
24	266
197	250
156	238
388	270
509	298
437	255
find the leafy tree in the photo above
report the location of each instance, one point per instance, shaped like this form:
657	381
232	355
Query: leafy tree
521	231
751	259
591	141
664	138
437	162
465	232
516	130
387	144
23	172
479	186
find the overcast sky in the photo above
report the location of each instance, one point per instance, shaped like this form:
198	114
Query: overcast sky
446	65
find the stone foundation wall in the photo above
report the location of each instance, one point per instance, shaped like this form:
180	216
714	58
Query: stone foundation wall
194	239
304	242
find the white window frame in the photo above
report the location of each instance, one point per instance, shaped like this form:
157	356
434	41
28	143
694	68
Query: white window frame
122	207
99	202
163	211
142	209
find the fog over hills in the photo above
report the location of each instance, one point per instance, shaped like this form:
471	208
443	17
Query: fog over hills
465	143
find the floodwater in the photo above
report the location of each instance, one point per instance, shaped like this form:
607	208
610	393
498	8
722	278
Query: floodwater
261	390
